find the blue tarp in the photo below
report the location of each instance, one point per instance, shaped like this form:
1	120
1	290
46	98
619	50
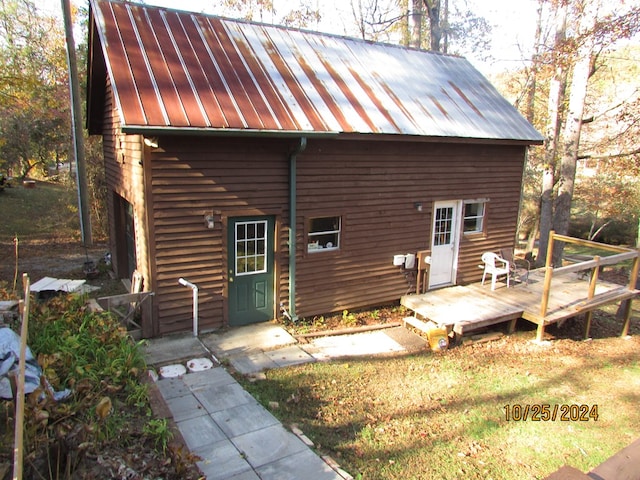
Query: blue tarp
9	362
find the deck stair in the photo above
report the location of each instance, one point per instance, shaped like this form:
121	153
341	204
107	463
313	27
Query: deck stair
416	323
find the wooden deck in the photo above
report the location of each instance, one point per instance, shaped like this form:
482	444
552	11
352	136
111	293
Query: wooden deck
470	307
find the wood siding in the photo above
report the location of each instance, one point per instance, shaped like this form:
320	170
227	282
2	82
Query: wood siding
226	177
372	185
125	178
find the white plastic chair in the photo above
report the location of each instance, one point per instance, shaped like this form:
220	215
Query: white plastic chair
496	266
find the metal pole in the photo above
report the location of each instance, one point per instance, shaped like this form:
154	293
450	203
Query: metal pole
76	121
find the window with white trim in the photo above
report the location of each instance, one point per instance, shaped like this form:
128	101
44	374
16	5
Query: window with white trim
473	221
324	234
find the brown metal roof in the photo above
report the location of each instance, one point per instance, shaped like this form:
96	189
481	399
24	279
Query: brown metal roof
182	70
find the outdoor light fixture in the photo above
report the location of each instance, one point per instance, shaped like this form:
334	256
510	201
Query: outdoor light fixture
418	206
151	142
209	222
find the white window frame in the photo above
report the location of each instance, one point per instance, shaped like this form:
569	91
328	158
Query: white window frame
255	255
315	247
479	219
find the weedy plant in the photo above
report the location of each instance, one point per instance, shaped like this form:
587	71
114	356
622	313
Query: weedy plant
158	429
91	355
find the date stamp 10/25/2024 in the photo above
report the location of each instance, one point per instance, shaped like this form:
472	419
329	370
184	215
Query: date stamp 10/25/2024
545	412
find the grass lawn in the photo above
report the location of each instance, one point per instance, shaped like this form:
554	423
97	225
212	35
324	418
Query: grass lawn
47	211
434	416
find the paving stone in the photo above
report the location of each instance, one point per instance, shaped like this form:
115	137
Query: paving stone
222	460
260	336
172	387
287	356
250	475
369	343
208	378
172	348
244	419
252	363
305	464
268	445
200	431
185	407
221	397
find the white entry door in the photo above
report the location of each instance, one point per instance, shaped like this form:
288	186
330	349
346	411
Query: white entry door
444	243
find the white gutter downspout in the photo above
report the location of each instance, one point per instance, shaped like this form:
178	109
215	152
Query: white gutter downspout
193	287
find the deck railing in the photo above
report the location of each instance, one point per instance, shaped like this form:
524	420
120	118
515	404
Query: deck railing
621	254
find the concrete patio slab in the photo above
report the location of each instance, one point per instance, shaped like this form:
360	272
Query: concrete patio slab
222	460
185	408
172	387
214	377
244	419
221	397
200	431
305	464
173	348
252	362
259	336
252	475
369	343
288	356
268	445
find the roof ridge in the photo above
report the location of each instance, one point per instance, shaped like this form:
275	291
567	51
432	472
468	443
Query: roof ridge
284	27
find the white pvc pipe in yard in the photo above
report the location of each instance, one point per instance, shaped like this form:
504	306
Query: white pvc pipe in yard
193	287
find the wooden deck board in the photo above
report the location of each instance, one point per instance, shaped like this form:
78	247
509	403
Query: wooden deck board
468	307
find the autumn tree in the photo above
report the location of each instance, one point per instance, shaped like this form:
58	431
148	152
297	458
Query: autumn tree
446	26
34	128
304	15
582	31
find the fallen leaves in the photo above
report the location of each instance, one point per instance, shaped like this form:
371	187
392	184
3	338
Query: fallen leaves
104	408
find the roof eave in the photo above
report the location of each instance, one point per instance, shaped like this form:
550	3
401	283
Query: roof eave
232	132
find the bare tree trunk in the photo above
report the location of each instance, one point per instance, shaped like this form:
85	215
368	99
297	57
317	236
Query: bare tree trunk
415	20
571	135
556	98
444	26
435	29
532	84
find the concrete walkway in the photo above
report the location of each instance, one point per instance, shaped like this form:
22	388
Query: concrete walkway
235	437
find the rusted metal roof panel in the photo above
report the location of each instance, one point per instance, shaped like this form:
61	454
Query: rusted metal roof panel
174	69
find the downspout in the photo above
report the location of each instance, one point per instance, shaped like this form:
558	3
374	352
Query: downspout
292	228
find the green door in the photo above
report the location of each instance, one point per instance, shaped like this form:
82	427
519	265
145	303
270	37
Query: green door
250	270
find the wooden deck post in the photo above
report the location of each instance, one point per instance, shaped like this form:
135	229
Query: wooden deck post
627	304
550	249
592	291
627	318
633	277
546	291
540	332
594	278
587	323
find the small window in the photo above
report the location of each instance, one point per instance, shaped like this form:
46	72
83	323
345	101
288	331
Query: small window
474	217
324	234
